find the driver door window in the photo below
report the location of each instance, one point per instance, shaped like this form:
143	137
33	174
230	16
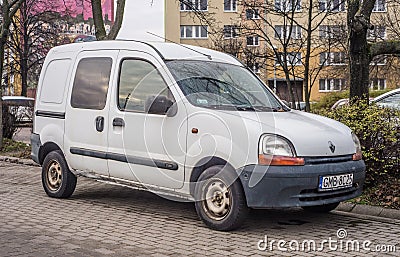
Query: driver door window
139	81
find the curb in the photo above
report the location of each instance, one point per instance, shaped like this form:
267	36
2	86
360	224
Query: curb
17	160
368	210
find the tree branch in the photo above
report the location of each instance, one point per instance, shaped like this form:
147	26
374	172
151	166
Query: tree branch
118	19
384	47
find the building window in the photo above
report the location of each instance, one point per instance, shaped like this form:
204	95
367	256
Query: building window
380	6
332	58
252	14
253	41
379	32
377	84
288	5
230	5
329	85
196	31
293	32
331	5
230	31
194	5
292	59
332	31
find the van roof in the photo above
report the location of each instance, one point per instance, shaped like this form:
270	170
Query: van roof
167	51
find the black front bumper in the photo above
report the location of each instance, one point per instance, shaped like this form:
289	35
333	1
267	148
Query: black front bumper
294	186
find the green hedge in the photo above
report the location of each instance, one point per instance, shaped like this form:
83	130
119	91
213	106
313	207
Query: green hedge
379	132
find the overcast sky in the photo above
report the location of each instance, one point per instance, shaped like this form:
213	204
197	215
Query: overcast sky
142	16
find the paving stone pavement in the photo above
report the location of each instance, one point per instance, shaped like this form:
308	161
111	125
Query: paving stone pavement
106	220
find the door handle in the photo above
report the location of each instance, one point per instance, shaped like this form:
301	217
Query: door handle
118	122
100	124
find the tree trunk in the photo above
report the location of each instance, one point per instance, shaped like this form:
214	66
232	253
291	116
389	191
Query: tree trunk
24	51
24	75
307	58
2	44
24	59
292	99
98	20
358	23
359	64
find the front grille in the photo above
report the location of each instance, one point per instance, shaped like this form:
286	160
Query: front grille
322	160
309	195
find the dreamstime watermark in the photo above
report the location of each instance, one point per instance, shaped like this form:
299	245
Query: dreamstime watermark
339	243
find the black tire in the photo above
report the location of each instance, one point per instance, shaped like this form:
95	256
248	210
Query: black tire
227	192
57	180
321	208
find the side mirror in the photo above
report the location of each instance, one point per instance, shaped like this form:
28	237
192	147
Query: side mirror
160	105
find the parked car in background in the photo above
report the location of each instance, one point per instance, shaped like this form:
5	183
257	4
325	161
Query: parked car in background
390	99
345	101
340	103
84	38
21	107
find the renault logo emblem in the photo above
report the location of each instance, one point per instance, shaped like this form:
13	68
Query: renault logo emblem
332	147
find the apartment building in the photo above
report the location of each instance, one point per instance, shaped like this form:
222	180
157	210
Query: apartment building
266	35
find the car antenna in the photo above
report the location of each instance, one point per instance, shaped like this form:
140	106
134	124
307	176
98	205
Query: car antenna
166	39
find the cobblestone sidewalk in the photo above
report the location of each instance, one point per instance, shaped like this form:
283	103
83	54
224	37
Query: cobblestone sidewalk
105	220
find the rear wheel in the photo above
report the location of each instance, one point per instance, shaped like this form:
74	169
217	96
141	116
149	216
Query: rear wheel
220	200
321	208
57	180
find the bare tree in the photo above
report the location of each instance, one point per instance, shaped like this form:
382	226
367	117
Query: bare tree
97	12
34	33
8	10
288	29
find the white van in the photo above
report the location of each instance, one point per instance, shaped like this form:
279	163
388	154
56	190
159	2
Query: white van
187	123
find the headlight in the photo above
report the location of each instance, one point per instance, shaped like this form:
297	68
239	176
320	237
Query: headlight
358	155
275	150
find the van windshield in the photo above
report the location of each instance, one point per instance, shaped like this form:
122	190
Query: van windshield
222	86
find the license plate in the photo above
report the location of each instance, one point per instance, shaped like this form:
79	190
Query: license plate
335	182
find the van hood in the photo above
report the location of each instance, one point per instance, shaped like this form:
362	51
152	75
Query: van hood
310	134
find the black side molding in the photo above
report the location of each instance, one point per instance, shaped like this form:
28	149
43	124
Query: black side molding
168	165
90	153
47	114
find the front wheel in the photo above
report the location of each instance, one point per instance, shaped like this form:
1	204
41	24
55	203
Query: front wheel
58	181
220	201
321	208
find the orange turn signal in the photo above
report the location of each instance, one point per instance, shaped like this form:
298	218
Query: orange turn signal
276	160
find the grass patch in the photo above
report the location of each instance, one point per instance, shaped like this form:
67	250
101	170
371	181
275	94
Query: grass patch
15	149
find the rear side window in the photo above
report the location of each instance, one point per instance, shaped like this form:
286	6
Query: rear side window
54	81
91	83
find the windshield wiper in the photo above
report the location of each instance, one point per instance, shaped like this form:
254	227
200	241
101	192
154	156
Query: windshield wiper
262	108
232	107
253	108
